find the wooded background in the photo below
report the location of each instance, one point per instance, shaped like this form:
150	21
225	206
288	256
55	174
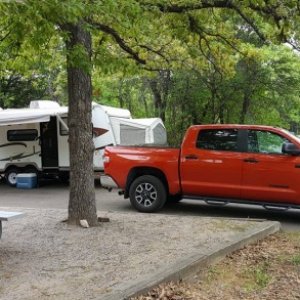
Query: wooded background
230	64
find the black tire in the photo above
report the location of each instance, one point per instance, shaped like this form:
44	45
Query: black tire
147	194
10	176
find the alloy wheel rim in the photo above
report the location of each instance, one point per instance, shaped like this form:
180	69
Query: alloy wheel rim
145	194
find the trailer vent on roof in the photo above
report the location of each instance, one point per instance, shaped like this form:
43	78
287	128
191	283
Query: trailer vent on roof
43	104
130	135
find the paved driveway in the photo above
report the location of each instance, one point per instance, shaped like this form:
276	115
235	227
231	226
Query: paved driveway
55	195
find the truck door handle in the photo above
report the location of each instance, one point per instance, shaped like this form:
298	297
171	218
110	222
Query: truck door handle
251	160
191	156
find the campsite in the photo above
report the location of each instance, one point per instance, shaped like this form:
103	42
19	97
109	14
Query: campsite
187	109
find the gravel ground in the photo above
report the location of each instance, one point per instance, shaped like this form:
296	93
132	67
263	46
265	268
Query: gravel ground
43	258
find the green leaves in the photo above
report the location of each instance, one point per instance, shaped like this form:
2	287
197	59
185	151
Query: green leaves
78	58
222	71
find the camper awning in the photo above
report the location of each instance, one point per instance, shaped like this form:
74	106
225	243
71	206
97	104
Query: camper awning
25	116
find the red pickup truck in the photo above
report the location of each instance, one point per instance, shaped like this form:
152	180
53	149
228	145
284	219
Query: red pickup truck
216	163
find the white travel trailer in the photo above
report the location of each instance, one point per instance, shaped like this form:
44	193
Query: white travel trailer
35	139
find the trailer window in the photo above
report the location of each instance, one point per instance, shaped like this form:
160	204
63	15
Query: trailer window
22	135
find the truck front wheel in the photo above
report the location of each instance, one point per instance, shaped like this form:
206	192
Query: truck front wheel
147	194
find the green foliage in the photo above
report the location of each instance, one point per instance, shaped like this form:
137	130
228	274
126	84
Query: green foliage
258	277
263	88
16	91
296	259
200	65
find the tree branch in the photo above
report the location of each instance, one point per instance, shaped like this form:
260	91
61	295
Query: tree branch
119	40
200	30
293	43
250	22
174	8
5	36
266	10
157	52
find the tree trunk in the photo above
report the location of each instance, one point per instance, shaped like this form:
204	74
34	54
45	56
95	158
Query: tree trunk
158	100
82	204
245	107
222	109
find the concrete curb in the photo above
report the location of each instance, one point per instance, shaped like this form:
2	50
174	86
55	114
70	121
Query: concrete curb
188	268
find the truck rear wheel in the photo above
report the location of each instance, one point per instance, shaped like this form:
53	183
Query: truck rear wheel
147	194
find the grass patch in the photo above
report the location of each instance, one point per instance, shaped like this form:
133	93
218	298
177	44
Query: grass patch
212	274
295	260
257	277
293	237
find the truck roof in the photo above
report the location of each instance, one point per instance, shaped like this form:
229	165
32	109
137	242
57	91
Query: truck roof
245	127
237	126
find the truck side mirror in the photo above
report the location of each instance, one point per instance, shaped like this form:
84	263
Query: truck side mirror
290	148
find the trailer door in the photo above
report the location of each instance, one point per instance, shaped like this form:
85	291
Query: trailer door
49	145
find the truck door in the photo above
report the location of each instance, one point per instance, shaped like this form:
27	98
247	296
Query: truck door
211	164
49	144
268	174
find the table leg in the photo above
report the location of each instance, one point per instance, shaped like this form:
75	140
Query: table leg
0	229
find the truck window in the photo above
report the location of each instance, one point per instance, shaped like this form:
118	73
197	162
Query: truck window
218	139
22	135
265	142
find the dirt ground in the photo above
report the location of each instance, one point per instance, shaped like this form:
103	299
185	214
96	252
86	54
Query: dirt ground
267	270
43	258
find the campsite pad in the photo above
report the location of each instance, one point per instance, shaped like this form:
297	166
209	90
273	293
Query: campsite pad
44	258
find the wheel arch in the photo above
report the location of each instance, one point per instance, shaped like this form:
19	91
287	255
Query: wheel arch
20	166
140	171
31	166
11	166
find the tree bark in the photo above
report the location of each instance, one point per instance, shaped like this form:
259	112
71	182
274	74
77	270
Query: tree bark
82	204
245	107
160	90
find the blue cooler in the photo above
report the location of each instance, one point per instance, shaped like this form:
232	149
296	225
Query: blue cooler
26	181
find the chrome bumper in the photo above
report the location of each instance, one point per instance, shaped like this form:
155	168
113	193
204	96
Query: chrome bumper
108	182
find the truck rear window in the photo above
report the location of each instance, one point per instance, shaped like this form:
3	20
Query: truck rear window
218	139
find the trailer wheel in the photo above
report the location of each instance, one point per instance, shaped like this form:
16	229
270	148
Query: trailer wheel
147	194
11	176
